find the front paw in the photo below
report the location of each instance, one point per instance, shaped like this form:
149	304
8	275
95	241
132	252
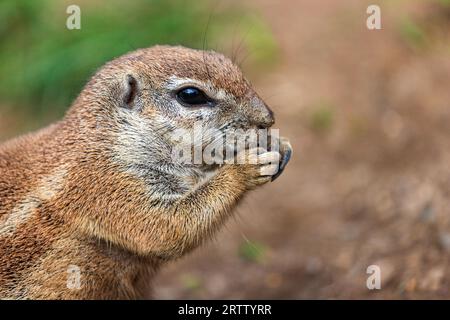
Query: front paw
259	166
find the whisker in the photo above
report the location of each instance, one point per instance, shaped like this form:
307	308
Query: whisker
241	43
233	47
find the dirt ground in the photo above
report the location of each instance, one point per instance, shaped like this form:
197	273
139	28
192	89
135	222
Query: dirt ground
367	113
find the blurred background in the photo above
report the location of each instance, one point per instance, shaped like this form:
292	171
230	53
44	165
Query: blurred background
367	112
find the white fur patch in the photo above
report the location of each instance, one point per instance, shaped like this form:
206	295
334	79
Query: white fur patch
47	189
133	138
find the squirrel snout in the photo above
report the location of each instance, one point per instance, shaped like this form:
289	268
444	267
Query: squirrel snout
269	120
263	116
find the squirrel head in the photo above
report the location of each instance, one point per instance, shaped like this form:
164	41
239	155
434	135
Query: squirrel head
123	121
152	92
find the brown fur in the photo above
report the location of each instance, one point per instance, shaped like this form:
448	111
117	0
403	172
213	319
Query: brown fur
68	198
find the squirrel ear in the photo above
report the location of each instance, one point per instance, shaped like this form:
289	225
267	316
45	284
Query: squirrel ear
130	91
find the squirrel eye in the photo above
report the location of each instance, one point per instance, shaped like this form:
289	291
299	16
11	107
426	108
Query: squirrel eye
192	96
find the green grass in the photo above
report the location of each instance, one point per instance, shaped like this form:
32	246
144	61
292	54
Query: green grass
445	3
322	118
413	33
252	251
191	282
44	65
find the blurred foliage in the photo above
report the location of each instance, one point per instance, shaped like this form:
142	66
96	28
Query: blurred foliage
413	33
322	117
44	65
252	251
358	125
191	282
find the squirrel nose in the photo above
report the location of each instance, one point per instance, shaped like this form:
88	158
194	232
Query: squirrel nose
267	122
259	114
264	117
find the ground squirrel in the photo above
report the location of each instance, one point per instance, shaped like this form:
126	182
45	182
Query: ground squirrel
99	192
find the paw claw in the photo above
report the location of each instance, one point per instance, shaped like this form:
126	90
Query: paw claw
286	153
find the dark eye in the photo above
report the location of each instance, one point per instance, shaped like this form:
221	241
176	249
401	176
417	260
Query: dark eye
193	97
